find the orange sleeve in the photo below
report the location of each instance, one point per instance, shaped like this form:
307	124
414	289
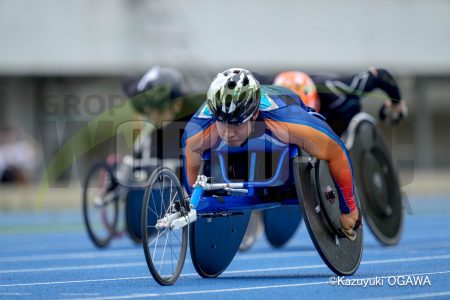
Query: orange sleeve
195	146
322	146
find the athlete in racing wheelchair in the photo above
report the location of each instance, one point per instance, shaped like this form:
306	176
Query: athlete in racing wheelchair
117	184
239	111
338	99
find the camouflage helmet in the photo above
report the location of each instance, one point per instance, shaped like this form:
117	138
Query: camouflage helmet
234	96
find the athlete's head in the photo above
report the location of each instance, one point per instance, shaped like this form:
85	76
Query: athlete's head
233	98
302	85
154	93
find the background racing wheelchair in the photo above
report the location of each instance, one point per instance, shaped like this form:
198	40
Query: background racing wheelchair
338	98
112	198
376	180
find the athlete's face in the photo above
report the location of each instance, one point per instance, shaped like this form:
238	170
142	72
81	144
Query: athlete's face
235	135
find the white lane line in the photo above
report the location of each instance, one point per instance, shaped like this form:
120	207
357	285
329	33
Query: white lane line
149	277
141	264
251	288
369	262
138	253
413	296
134	296
75	255
409	259
15	294
112	253
79	294
76	281
73	268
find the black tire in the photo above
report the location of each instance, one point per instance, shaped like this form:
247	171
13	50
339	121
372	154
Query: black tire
100	176
150	207
378	184
341	255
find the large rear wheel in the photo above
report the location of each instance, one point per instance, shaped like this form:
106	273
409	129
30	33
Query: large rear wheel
320	207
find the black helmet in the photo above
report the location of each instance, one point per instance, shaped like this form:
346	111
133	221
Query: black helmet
155	89
234	96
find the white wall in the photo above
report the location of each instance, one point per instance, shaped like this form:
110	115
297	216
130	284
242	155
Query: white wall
115	36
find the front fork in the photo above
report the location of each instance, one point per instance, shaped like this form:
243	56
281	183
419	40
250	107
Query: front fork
191	216
177	220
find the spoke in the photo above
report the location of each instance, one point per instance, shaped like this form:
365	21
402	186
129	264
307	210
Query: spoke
149	208
164	252
170	196
177	257
178	238
161	233
154	212
171	185
154	250
165	209
156	239
153	201
176	193
161	195
171	252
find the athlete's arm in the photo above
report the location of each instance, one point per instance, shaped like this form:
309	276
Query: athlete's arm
383	80
395	109
316	138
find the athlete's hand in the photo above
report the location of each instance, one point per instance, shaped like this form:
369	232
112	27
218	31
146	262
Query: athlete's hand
393	112
350	223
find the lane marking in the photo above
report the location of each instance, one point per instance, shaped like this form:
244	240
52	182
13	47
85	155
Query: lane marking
370	262
76	281
74	255
73	268
138	253
82	236
133	296
79	294
296	242
252	288
141	264
413	296
88	255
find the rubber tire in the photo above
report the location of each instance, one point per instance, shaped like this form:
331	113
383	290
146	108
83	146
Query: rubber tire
184	242
100	243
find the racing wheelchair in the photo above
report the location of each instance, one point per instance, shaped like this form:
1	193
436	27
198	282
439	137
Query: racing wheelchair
219	208
113	192
376	180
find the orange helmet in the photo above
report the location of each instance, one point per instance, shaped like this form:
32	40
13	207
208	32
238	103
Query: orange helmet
302	85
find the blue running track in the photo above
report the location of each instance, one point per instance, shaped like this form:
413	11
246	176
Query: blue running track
49	256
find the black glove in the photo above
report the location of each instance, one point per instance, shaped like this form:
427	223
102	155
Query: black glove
393	112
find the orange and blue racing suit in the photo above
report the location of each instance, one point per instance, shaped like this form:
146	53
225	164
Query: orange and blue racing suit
288	120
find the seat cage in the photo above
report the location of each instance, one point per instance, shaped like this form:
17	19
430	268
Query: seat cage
247	199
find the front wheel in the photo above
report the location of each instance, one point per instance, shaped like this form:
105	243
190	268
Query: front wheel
164	248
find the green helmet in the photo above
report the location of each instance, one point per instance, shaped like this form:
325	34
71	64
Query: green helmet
234	96
156	89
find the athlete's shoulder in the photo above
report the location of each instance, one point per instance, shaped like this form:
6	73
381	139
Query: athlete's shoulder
272	97
276	97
